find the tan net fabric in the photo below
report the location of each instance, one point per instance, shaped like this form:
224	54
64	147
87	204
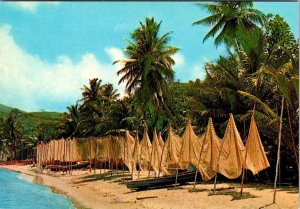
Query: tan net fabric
190	149
171	152
117	148
136	151
104	148
145	151
256	159
60	150
39	153
51	151
80	149
67	150
156	153
128	149
209	153
231	152
160	140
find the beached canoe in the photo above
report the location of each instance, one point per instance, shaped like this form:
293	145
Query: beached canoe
65	168
144	184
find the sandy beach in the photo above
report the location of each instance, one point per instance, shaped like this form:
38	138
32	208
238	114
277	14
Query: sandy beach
91	191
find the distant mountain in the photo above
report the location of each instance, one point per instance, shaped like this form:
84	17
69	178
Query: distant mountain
5	109
32	121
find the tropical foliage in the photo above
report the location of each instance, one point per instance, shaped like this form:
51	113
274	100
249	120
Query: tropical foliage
258	69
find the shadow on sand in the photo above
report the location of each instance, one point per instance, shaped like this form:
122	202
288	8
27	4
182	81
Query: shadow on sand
236	195
108	176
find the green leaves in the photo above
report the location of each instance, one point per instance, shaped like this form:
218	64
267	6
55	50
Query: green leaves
148	66
227	18
264	106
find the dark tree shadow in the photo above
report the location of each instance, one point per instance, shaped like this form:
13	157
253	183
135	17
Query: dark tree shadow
235	195
109	176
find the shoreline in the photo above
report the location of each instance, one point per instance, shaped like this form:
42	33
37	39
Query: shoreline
35	177
86	190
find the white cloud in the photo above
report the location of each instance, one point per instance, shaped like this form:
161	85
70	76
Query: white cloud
179	59
26	79
198	70
31	6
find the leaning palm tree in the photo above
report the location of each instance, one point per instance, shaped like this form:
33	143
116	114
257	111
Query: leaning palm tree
229	19
149	65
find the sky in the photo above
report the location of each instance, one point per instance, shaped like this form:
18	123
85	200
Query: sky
49	50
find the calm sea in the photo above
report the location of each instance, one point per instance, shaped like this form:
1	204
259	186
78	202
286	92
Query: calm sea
17	193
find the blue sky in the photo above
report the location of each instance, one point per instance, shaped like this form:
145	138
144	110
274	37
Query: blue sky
48	51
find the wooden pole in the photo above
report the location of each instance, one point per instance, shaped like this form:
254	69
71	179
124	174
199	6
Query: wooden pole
139	153
64	156
149	167
112	163
90	154
215	181
132	164
72	155
278	151
292	137
124	154
69	156
176	178
244	165
160	163
59	155
177	167
96	155
199	160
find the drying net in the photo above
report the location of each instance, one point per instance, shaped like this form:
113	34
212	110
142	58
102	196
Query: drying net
145	152
136	151
128	148
256	159
171	152
190	149
231	154
209	153
156	152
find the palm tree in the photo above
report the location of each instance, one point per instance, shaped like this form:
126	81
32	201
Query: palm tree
90	95
70	122
149	65
230	19
108	93
12	133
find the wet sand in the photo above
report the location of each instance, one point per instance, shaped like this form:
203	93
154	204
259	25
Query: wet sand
87	190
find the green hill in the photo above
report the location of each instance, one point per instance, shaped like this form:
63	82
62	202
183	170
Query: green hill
32	121
5	109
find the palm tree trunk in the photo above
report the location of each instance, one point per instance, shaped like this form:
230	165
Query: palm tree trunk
278	151
292	138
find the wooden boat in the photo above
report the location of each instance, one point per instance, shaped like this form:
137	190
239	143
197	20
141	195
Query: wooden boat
67	167
164	181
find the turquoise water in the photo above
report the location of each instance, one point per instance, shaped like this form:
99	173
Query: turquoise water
17	193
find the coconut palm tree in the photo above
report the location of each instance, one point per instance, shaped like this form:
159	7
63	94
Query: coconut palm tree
149	65
230	19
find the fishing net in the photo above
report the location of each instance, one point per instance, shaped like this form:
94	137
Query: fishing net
170	152
209	152
256	159
128	149
136	151
145	152
190	149
232	152
156	152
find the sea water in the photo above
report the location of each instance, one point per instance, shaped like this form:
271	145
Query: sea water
17	193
